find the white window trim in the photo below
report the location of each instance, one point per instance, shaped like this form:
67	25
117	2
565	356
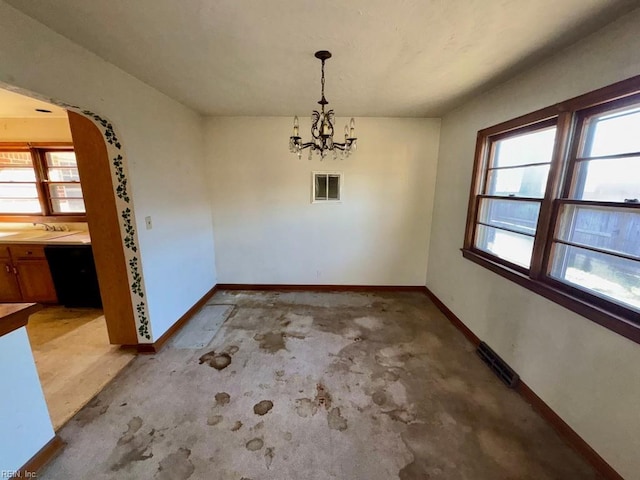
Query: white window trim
340	186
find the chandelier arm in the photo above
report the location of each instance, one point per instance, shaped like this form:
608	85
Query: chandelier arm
336	145
308	145
315	131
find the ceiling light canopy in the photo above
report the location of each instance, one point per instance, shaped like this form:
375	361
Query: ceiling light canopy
322	128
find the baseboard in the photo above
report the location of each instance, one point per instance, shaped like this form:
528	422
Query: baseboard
472	337
40	459
568	434
155	347
321	288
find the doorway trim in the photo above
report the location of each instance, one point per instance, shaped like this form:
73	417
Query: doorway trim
112	154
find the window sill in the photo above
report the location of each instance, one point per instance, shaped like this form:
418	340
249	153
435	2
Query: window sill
620	325
43	218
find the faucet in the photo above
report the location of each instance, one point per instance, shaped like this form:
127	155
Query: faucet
47	227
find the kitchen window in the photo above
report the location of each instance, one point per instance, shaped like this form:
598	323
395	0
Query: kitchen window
555	204
39	181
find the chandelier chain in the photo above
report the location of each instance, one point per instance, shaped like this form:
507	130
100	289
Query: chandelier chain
322	83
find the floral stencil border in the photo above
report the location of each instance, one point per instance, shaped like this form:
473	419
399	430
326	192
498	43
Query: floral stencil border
124	205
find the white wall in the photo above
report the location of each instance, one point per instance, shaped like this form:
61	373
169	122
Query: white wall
162	140
25	426
586	373
268	232
35	130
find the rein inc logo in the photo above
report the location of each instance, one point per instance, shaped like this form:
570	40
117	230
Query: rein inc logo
18	474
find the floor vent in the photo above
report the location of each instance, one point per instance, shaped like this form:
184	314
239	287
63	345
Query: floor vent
499	366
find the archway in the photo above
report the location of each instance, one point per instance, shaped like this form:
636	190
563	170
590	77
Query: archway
111	219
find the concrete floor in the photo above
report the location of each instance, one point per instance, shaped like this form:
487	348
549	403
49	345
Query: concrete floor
313	386
73	357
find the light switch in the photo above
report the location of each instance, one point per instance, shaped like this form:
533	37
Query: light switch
147	221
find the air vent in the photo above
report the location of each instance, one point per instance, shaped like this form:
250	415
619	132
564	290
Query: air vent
499	366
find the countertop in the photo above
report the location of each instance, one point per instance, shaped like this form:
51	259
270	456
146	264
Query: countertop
45	238
15	315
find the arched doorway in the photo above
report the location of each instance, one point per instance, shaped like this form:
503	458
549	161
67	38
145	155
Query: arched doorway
111	220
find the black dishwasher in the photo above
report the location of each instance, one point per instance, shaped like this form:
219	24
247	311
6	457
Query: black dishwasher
74	275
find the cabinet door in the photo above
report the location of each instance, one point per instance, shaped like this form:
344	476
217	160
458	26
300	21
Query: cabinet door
35	281
9	289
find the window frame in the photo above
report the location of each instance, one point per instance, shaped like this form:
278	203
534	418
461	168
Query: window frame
537	121
332	173
571	117
38	152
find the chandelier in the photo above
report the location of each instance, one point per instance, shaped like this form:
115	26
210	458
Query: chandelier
322	128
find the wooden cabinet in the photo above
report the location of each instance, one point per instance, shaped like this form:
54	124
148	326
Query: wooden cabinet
35	281
9	288
27	252
25	275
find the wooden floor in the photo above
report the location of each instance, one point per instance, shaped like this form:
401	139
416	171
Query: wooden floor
73	357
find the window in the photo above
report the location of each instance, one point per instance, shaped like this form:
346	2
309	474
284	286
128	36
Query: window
64	190
514	186
18	184
326	187
39	181
555	204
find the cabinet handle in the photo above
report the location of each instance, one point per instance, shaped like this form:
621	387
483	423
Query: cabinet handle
7	268
15	271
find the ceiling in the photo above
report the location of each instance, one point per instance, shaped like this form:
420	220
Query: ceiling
14	105
390	58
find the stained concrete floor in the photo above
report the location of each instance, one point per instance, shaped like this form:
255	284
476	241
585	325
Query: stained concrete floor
313	386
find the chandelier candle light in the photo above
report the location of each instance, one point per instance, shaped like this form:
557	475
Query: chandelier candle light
322	128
